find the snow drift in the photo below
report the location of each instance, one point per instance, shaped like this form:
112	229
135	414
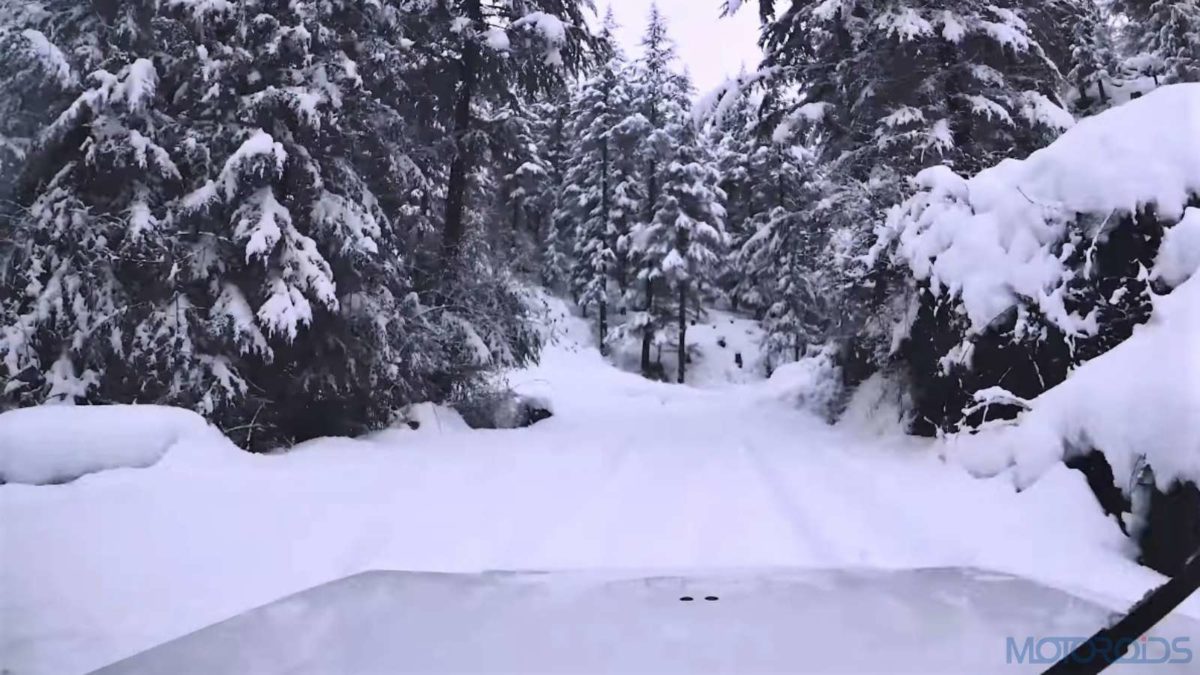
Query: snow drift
59	443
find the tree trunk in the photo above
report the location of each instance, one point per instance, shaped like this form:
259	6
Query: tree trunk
648	330
682	330
456	189
603	321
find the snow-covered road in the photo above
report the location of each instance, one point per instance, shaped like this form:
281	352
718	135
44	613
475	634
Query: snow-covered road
628	474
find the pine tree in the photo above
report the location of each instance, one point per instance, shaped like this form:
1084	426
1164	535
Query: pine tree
81	316
661	97
733	141
687	236
545	200
477	52
879	89
1094	61
600	103
234	214
1164	37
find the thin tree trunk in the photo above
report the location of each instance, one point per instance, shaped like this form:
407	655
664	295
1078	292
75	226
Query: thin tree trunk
460	167
682	330
603	320
604	210
648	331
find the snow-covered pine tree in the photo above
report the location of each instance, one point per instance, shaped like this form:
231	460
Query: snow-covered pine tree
1094	62
289	256
898	86
87	245
732	140
543	202
477	52
784	263
598	179
686	238
887	88
1162	37
662	99
251	185
523	175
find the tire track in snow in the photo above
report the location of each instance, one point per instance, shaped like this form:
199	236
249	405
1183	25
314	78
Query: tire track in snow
817	487
799	519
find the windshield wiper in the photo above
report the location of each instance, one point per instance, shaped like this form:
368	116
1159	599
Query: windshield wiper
1108	645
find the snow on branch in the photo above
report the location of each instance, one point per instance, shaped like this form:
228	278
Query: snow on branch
51	57
260	144
998	237
552	31
714	105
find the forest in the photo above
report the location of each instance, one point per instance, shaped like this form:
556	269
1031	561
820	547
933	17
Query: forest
296	289
298	218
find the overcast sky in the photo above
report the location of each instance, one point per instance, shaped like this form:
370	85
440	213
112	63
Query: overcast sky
712	48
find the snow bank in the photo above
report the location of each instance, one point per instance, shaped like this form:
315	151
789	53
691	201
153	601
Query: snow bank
878	407
56	443
996	237
813	383
1142	398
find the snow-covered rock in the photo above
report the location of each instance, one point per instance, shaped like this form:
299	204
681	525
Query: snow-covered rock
59	443
431	417
1141	399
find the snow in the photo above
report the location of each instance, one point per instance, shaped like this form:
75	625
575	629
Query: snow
258	144
715	341
497	39
59	443
1140	399
627	475
552	31
812	383
431	418
138	83
550	27
940	620
51	57
993	237
1179	255
878	407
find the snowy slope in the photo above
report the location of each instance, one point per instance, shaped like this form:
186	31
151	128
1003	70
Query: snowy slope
628	474
716	341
